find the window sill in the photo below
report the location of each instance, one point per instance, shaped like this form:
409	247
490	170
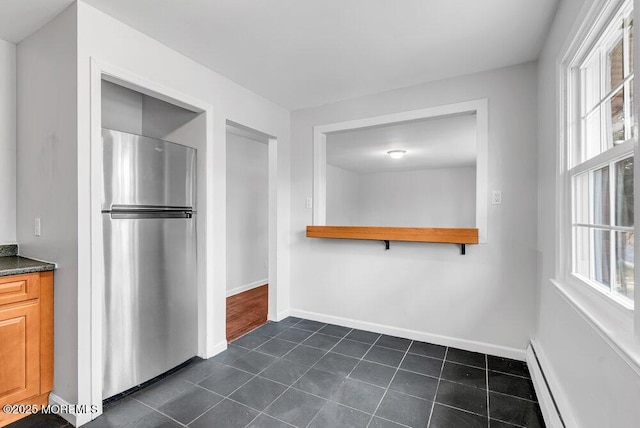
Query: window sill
615	328
600	295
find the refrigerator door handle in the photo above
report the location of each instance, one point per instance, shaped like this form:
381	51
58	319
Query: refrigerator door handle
150	214
148	211
143	208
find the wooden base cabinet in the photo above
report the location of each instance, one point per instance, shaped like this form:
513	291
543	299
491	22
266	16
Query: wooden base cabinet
26	342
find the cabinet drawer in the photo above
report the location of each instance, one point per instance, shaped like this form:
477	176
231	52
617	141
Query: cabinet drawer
16	288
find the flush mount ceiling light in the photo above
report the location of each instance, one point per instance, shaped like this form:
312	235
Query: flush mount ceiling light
396	154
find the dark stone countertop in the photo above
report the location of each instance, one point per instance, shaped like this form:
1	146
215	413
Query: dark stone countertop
16	265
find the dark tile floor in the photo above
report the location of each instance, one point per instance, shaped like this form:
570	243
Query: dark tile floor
304	373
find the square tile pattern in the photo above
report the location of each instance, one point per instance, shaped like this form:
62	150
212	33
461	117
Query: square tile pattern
305	373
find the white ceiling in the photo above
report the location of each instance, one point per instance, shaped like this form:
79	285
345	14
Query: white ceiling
307	53
20	18
433	143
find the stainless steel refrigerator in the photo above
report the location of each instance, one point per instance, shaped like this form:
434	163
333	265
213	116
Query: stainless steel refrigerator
150	301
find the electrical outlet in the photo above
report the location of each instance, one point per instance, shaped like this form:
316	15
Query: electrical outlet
36	226
308	203
496	197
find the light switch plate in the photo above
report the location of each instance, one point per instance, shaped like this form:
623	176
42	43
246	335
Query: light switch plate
36	226
496	197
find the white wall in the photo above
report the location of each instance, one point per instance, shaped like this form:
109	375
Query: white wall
121	108
55	171
47	178
343	190
441	197
7	143
171	123
130	111
597	387
484	300
427	198
247	213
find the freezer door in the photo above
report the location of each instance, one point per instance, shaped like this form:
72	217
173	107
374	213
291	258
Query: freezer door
150	301
145	171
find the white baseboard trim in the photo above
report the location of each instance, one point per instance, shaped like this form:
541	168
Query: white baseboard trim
550	413
215	350
469	345
75	419
553	386
247	287
281	315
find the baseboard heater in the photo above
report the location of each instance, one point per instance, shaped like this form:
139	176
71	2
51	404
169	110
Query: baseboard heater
548	405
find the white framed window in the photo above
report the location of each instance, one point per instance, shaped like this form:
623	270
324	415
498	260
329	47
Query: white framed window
601	130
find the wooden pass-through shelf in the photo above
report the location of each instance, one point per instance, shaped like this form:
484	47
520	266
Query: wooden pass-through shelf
460	236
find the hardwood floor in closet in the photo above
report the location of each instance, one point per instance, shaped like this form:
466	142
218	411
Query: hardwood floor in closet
246	311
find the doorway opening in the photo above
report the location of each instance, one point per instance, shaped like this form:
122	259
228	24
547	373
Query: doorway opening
247	158
379	134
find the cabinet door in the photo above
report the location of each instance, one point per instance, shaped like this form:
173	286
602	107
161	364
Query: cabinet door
19	351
